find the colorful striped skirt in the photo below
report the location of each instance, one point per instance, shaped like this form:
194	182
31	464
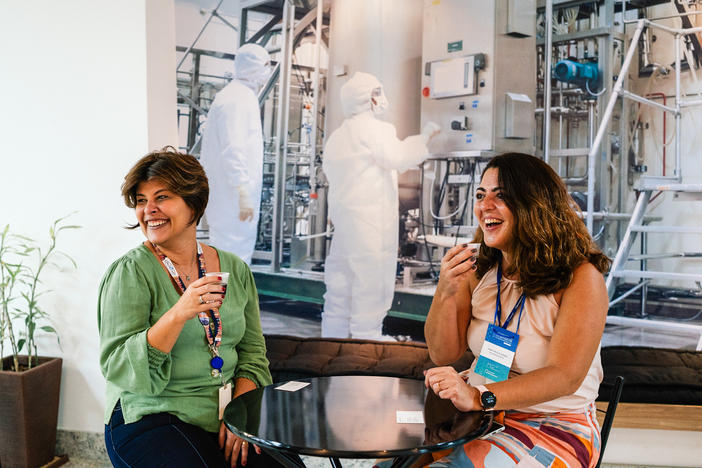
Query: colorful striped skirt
535	440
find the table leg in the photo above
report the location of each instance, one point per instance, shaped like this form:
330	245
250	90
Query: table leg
335	462
290	460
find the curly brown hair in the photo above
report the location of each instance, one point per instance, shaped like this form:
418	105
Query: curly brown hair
550	240
180	172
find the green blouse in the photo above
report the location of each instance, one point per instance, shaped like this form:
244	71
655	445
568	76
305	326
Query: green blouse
133	295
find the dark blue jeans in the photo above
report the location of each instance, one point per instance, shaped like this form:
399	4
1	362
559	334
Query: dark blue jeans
163	440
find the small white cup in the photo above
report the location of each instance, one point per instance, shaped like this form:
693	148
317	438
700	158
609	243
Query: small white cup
473	245
223	274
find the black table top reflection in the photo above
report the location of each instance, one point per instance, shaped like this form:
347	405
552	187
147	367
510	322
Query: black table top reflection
352	417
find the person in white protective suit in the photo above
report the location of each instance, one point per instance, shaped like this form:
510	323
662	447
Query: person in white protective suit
232	155
361	161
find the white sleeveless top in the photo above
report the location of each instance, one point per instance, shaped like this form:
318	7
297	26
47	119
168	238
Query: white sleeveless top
537	324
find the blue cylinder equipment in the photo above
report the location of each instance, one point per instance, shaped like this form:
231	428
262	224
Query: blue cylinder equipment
586	75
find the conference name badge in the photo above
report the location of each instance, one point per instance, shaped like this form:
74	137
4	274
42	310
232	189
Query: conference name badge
497	354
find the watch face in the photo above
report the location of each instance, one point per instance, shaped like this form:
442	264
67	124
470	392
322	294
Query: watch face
488	400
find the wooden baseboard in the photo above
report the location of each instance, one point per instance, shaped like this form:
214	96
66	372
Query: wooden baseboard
655	416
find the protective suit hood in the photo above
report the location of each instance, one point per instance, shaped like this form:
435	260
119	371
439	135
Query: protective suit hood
251	65
356	94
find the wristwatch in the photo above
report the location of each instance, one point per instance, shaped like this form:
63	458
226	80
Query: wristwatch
487	399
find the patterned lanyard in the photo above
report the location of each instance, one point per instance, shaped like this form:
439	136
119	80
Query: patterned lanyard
211	322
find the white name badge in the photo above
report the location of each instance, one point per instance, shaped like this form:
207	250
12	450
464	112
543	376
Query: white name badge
225	396
497	354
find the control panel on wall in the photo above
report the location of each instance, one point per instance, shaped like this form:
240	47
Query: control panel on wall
456	77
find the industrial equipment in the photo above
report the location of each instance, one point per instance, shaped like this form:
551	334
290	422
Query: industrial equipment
485	72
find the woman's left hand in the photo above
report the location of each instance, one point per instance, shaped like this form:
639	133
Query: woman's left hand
449	385
234	446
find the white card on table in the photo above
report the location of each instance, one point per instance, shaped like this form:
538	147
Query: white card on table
292	386
409	417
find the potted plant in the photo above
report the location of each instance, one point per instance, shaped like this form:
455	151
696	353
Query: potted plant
29	383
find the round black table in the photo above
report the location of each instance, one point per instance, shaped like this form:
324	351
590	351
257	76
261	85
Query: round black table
351	417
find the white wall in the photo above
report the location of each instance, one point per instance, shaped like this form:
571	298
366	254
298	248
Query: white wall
73	83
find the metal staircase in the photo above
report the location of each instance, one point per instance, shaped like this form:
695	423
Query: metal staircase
646	186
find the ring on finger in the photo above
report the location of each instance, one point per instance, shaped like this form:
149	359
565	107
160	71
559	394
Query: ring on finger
202	301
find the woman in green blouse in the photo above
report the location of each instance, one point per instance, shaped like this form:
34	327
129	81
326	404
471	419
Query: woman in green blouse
173	341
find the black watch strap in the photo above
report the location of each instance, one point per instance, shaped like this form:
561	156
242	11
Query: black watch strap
487	398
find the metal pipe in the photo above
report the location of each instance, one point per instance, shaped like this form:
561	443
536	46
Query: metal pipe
628	239
224	20
313	134
279	184
315	236
616	91
680	31
643	265
628	293
244	25
547	79
689	13
185	55
691	103
264	30
193	121
643	100
574	180
560	124
677	173
655	324
590	122
270	85
286	123
317	59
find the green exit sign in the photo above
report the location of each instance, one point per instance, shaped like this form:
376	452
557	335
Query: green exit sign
455	46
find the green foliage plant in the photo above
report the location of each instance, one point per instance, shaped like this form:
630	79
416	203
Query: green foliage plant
20	290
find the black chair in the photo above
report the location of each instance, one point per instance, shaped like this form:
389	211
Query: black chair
615	394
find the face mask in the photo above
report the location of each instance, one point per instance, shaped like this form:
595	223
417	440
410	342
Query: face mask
379	102
263	75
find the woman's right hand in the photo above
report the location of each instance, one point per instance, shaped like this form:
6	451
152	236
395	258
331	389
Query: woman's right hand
455	266
201	295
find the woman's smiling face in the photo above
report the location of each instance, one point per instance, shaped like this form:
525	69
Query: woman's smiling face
163	216
493	215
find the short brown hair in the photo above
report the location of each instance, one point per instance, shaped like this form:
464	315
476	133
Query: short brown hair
550	239
180	172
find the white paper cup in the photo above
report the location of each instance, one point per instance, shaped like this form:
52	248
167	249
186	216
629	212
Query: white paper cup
473	245
223	274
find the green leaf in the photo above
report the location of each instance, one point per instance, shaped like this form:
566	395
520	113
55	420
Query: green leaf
20	344
73	226
65	255
48	329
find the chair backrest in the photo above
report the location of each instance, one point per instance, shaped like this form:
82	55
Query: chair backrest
609	415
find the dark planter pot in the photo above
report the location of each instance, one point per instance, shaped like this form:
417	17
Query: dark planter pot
29	413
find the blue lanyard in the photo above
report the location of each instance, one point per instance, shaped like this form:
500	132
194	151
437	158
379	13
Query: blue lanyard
498	306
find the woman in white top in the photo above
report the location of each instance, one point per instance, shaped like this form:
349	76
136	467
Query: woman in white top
532	305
